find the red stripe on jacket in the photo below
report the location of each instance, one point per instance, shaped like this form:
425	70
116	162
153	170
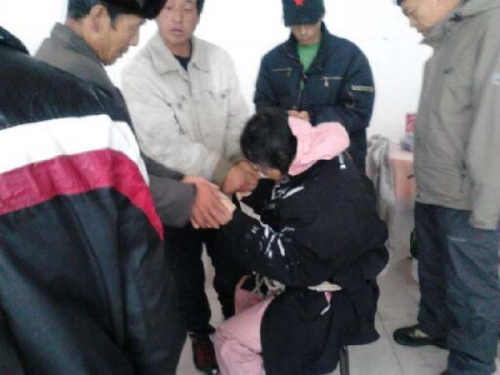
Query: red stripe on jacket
76	174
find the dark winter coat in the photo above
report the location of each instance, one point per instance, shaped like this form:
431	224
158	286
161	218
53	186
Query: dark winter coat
338	87
84	284
318	226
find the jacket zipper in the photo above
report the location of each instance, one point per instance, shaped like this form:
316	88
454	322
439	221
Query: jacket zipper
328	79
288	71
303	79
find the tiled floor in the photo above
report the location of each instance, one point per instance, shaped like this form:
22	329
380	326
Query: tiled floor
397	307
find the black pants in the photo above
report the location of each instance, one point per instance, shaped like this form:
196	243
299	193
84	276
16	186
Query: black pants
460	294
184	250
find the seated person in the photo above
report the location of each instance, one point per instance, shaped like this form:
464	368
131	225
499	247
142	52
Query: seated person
319	235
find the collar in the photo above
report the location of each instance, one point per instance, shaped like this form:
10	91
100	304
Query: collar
325	49
75	41
165	62
445	26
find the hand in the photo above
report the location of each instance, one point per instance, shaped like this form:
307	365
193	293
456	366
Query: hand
241	177
303	115
230	206
208	211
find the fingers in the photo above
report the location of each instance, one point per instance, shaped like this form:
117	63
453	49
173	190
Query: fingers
209	211
303	115
227	203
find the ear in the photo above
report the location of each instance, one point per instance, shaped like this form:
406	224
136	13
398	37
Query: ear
99	18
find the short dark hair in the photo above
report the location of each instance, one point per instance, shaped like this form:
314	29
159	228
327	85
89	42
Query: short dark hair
78	9
267	140
399	2
199	5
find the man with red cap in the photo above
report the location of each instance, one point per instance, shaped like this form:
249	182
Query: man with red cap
318	76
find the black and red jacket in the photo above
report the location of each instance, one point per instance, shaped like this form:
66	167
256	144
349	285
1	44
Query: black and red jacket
84	285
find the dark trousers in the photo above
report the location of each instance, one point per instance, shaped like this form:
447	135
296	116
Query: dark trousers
184	250
459	285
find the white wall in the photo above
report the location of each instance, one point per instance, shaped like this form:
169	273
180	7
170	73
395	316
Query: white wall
247	29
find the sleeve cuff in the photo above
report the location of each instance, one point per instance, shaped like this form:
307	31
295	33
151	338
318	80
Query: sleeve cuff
235	159
220	171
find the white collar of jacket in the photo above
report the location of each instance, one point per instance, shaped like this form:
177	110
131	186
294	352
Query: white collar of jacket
165	62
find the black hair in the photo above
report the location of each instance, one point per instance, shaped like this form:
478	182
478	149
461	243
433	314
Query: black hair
78	9
267	140
199	5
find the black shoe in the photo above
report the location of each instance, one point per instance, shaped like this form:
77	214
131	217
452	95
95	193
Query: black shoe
413	336
445	373
204	353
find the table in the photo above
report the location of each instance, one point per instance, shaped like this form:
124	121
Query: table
402	175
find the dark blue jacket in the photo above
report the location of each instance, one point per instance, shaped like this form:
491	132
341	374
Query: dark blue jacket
338	86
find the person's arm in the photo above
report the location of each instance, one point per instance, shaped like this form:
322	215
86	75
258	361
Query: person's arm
156	169
316	238
483	150
279	255
354	106
159	129
173	199
154	330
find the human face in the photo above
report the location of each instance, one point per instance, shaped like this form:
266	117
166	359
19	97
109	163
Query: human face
425	14
307	34
177	22
118	36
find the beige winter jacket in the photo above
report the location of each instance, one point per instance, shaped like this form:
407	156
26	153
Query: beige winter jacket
187	120
457	135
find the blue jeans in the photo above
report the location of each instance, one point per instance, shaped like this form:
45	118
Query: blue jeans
459	285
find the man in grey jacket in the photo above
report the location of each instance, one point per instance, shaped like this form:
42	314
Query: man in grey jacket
97	33
457	169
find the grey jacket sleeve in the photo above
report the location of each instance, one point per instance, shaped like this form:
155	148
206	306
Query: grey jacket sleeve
173	200
483	151
159	170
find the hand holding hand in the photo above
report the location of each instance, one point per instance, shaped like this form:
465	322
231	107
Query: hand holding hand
208	211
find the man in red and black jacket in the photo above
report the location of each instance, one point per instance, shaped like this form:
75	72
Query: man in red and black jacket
84	285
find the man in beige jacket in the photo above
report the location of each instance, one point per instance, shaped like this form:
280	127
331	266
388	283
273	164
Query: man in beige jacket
188	113
457	168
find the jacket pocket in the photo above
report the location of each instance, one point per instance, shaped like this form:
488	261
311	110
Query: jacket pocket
215	101
178	106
